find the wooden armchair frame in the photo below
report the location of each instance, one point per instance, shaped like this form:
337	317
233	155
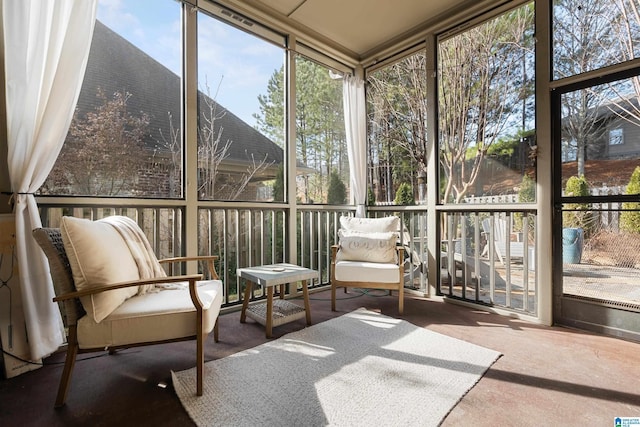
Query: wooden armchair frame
50	241
396	286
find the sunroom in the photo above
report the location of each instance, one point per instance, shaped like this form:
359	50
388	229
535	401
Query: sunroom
503	134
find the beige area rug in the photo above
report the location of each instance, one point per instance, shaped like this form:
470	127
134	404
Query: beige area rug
359	369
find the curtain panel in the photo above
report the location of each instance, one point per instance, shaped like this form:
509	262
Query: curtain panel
355	117
46	46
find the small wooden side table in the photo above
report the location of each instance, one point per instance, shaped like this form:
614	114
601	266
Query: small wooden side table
281	311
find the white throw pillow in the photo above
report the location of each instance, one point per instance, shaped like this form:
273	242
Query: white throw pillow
98	256
368	247
378	225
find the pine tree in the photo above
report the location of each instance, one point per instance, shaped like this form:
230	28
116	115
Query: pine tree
337	192
404	195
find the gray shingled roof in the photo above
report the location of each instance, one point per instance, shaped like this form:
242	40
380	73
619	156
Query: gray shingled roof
117	65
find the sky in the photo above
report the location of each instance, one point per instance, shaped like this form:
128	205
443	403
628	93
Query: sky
231	62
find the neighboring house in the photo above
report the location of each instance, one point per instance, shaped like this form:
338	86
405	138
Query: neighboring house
616	134
613	151
117	65
620	140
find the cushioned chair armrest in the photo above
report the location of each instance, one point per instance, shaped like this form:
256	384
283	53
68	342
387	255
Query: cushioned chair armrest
191	278
208	258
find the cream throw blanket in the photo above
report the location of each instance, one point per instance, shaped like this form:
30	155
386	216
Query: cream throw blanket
141	250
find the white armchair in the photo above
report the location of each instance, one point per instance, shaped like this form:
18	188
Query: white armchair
368	256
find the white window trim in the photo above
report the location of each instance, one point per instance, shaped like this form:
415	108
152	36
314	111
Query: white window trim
616	136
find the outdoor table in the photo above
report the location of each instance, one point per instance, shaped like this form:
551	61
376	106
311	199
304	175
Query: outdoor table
274	313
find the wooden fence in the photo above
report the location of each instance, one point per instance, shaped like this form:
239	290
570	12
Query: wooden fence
606	215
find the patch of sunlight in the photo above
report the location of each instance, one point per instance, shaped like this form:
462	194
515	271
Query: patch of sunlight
306	349
375	320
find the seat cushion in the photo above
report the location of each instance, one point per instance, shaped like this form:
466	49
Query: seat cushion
154	316
359	271
98	256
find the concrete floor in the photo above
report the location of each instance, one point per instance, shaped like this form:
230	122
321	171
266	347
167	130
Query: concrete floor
547	376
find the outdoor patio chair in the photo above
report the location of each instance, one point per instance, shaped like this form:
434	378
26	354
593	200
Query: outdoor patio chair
114	294
500	239
368	256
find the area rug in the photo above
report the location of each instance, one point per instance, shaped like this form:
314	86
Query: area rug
359	369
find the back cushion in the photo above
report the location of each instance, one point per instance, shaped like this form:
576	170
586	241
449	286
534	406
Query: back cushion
98	256
369	247
368	225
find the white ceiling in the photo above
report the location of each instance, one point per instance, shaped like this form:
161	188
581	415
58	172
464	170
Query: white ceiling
361	27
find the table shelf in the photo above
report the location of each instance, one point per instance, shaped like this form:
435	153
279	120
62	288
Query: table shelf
283	312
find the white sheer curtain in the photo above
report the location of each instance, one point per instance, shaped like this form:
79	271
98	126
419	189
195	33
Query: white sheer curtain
46	49
356	127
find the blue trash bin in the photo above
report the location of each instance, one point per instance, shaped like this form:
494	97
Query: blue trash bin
572	243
